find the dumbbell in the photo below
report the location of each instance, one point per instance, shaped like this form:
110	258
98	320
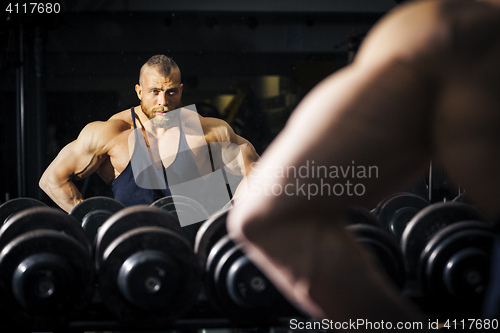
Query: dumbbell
447	248
233	284
369	232
148	273
182	208
46	269
13	206
190	213
93	212
395	211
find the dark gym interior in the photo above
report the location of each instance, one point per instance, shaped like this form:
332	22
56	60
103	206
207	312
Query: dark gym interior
62	71
249	63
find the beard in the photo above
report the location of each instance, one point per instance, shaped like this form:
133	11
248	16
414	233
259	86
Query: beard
151	113
163	121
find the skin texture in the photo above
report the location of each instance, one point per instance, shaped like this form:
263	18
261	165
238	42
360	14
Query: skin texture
424	86
104	147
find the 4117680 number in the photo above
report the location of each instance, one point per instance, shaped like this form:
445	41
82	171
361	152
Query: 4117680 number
33	8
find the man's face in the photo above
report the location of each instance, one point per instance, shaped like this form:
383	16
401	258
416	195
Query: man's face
158	93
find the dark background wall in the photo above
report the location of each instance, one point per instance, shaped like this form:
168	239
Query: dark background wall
60	71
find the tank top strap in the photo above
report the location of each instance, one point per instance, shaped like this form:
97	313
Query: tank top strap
133	117
182	139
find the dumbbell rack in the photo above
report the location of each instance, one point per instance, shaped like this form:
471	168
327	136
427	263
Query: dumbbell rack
201	319
203	316
99	319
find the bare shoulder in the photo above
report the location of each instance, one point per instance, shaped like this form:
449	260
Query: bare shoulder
424	30
216	130
111	127
405	33
124	115
100	135
116	124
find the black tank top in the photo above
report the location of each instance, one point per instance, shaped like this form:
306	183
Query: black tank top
143	181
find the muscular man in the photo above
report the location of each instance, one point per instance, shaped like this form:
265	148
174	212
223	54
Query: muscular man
156	132
424	85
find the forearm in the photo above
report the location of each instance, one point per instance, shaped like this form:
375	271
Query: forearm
320	267
77	160
241	190
302	246
64	193
241	165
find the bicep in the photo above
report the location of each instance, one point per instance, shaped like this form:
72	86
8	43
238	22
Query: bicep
79	158
72	162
